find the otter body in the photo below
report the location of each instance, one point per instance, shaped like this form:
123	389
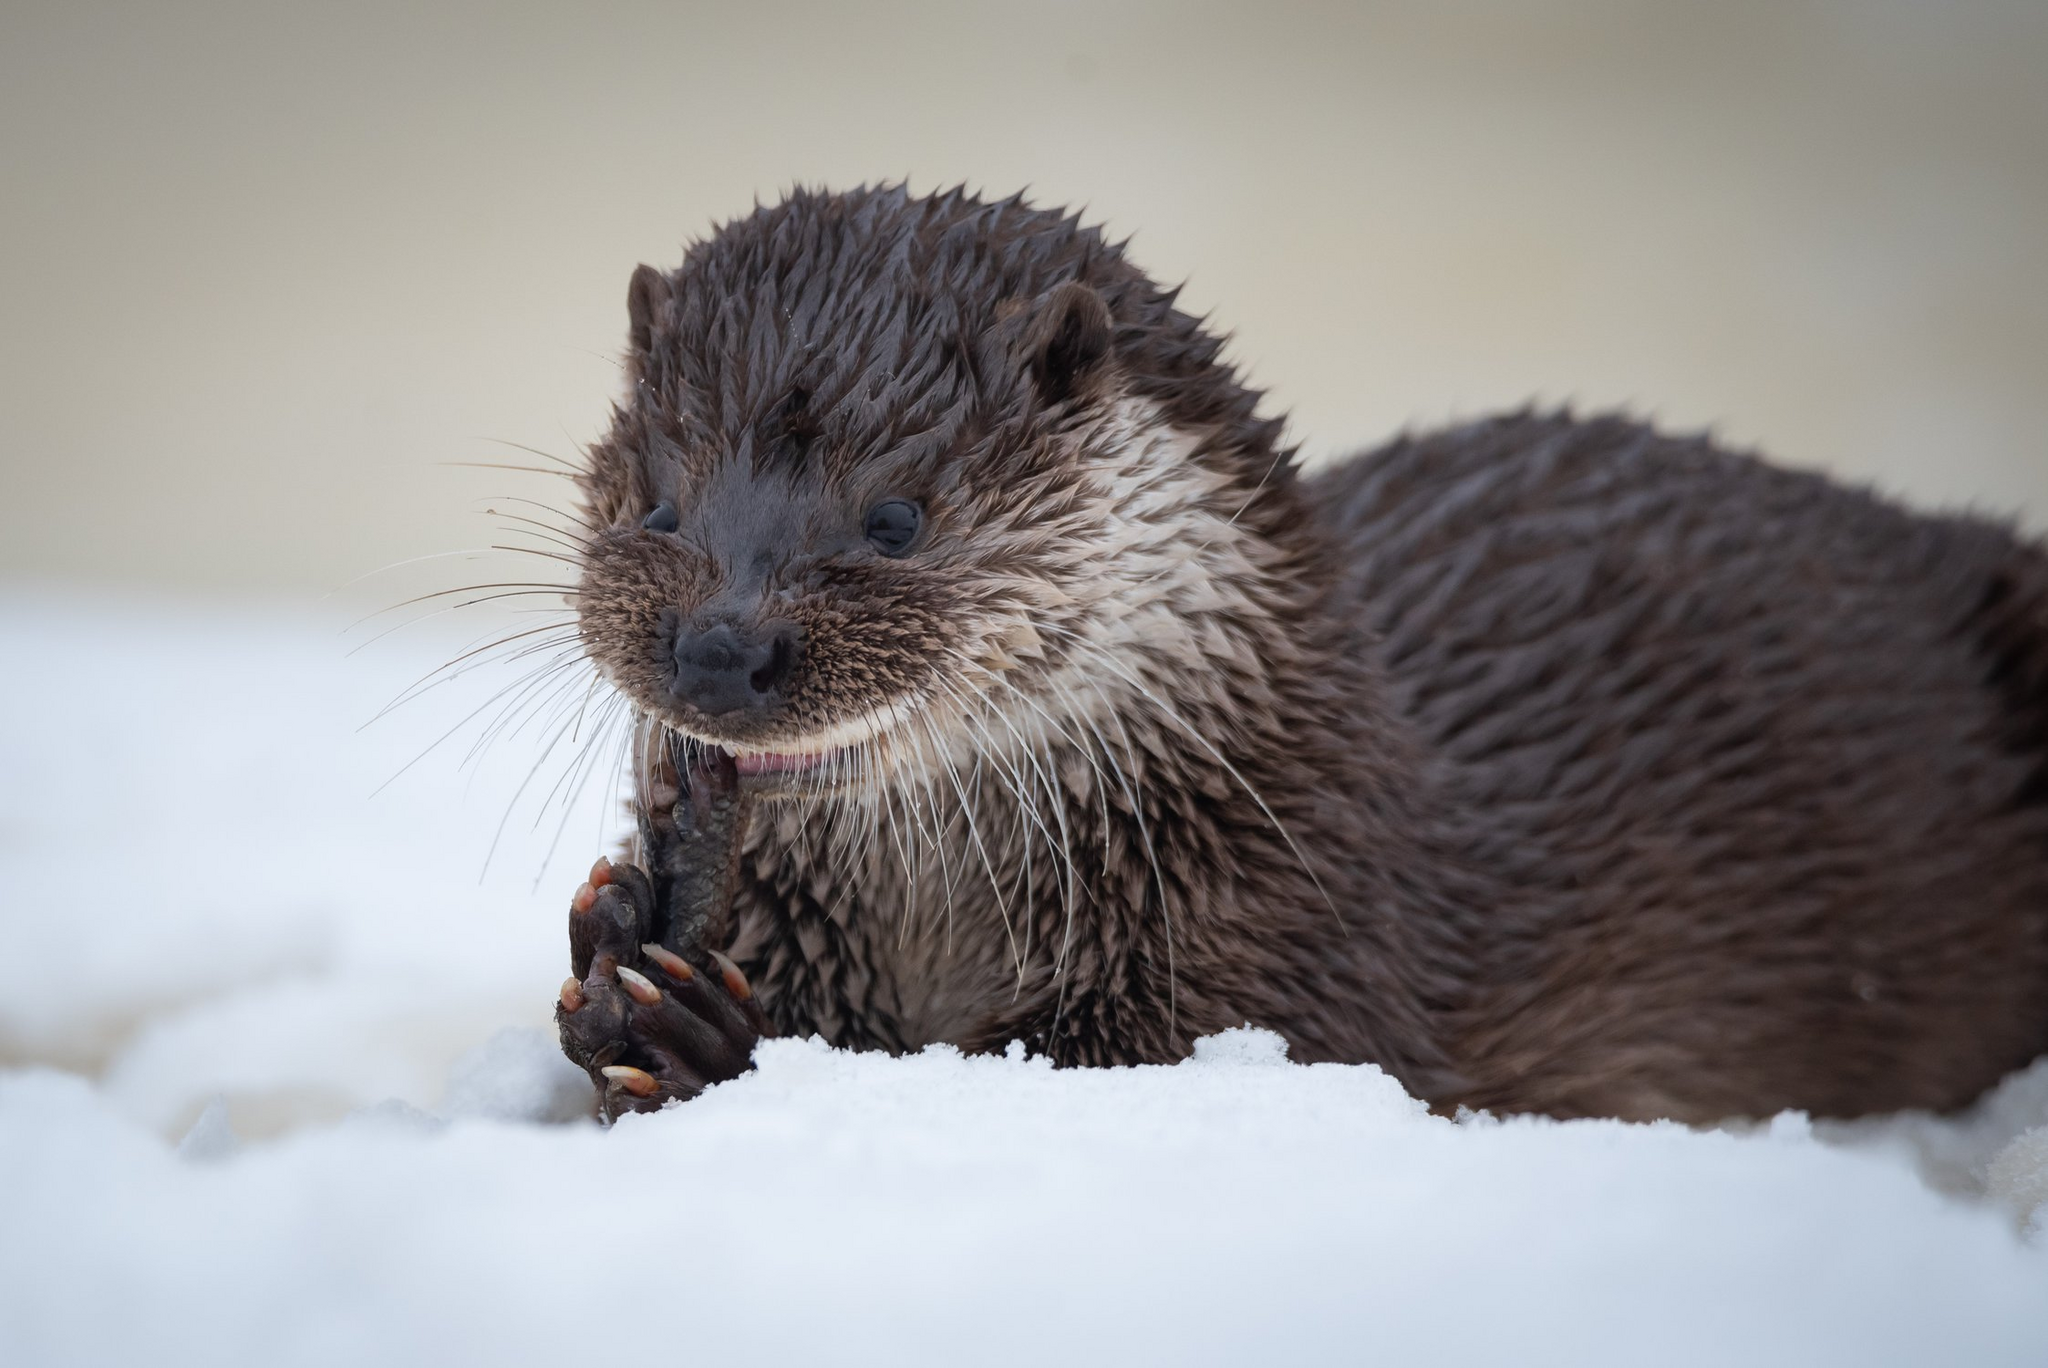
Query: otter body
1553	765
1757	761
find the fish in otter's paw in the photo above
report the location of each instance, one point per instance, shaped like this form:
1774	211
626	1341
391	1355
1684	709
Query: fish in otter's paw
1000	677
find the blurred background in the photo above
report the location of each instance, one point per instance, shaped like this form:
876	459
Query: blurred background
269	273
266	265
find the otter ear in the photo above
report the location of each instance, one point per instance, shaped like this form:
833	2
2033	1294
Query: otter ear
646	298
1067	340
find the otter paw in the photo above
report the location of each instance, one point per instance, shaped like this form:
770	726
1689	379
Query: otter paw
646	1024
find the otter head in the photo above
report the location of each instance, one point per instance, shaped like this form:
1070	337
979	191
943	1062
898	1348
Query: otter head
895	474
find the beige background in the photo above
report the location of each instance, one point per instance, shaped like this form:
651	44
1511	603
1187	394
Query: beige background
265	267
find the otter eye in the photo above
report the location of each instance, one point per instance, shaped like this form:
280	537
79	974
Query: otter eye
662	519
892	525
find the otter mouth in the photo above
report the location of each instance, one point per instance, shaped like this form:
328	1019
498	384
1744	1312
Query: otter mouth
820	761
786	762
804	771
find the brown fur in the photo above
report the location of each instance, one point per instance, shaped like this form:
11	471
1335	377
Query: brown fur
1552	764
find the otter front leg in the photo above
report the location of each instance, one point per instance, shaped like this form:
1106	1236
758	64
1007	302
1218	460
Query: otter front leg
654	1012
647	1025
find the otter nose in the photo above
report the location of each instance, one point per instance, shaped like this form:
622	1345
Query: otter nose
721	670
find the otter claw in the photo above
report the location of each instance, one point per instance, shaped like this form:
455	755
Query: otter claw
638	986
601	872
638	1082
572	995
585	899
735	982
672	964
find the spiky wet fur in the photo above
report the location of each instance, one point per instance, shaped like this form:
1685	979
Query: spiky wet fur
1551	764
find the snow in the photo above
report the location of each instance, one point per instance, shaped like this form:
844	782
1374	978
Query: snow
279	1090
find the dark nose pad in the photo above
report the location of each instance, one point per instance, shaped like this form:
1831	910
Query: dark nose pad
722	670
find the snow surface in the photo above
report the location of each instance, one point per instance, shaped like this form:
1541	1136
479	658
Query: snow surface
279	1090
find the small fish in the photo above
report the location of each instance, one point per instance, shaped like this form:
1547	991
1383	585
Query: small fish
695	852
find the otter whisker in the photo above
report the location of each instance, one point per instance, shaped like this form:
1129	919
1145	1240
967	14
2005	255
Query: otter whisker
568	466
572	538
511	529
989	767
562	646
905	852
1102	796
872	798
1082	748
549	694
535	551
1135	799
1062	845
565	656
1101	790
561	513
918	808
467	553
535	586
933	831
966	811
553	688
842	835
1011	778
1027	804
535	592
532	551
1108	662
561	792
513	802
569	804
632	721
596	678
861	847
419	685
438	741
520	469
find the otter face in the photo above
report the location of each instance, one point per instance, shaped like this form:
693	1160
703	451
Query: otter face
873	484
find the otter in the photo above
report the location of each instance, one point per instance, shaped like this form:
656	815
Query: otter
1002	676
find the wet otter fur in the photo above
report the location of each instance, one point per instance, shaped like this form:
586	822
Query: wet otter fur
1552	764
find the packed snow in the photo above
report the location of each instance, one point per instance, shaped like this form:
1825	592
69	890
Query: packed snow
279	1089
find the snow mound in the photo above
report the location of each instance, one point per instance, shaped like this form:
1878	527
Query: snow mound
836	1207
282	1091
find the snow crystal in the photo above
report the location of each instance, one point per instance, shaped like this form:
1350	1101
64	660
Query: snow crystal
2018	1177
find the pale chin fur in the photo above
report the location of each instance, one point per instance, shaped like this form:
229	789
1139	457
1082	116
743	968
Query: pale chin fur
868	734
